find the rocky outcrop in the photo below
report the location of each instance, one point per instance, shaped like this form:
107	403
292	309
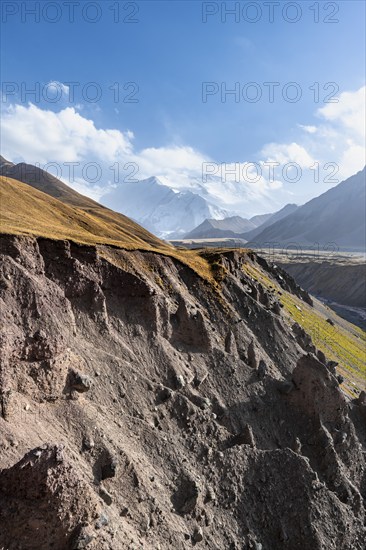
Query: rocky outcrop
143	408
43	501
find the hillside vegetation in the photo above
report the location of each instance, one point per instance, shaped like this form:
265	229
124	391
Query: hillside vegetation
29	211
26	210
339	340
153	398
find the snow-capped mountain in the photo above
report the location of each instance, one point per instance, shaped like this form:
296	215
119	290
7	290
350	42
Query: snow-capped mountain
162	210
241	198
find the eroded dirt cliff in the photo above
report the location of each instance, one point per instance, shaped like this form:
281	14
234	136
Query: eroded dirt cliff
141	407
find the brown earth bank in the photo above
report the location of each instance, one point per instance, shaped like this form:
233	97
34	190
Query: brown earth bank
141	408
340	283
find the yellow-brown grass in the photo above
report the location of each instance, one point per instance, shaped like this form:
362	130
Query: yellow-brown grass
25	210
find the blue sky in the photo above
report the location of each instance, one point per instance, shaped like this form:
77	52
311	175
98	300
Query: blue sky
170	52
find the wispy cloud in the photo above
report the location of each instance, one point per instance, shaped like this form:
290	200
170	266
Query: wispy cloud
34	134
56	87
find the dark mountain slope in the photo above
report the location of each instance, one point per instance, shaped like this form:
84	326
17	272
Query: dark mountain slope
229	227
285	211
337	216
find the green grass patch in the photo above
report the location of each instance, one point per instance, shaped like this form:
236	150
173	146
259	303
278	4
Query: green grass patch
347	347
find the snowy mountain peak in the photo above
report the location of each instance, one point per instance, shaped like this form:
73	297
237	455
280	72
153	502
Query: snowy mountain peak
164	211
153	180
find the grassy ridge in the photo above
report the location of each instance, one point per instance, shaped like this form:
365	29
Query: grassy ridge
25	210
347	347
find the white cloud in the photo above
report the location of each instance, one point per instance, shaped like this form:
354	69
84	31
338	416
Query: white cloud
177	164
33	134
55	88
342	131
349	113
339	139
38	135
308	129
286	153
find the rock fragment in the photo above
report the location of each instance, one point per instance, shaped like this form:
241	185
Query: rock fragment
331	366
262	369
361	399
197	534
80	382
88	443
105	495
200	377
82	539
165	394
230	343
186	497
106	465
102	521
296	447
245	437
252	358
180	382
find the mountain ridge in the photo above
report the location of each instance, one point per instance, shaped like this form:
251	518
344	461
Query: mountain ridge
228	227
163	398
236	226
337	217
277	216
162	210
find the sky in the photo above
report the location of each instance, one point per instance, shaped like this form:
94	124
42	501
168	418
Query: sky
265	100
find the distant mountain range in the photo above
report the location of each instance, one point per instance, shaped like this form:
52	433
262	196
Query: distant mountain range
335	218
228	227
238	227
160	209
285	211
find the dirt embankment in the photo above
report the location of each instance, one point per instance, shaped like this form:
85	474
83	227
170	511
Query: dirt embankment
340	283
142	409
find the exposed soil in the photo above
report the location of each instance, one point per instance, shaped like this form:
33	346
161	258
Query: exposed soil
141	408
338	282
